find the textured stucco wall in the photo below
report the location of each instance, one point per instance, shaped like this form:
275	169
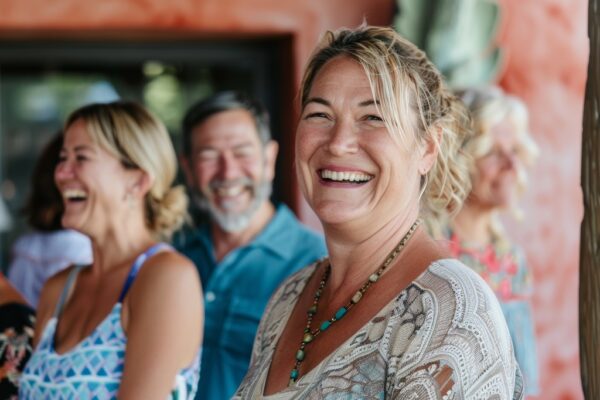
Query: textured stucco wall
546	47
547	51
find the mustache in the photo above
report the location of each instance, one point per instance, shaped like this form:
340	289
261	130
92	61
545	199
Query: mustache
225	183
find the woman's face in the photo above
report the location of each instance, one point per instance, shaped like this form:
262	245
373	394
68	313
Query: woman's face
349	167
94	184
495	179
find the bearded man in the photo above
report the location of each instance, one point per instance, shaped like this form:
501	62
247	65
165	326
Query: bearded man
249	245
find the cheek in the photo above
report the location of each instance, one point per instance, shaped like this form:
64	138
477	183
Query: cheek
308	140
203	173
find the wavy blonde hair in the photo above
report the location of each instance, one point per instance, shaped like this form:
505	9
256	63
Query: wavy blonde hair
131	133
406	83
490	105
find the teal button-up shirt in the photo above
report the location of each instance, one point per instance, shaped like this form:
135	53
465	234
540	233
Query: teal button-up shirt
236	292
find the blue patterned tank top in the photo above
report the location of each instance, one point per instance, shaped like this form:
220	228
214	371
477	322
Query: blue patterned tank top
94	367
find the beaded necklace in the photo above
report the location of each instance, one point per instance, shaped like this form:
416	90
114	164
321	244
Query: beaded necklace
309	334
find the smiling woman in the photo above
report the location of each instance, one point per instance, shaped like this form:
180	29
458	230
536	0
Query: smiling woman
377	143
138	307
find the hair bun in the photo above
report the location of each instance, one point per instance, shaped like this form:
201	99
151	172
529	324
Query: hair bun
169	213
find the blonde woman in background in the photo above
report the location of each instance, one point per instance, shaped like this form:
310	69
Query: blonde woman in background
501	147
130	324
388	314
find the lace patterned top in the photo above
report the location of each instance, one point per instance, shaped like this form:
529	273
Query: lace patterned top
443	337
94	367
505	270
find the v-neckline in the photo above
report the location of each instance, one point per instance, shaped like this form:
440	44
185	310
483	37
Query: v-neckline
292	305
52	339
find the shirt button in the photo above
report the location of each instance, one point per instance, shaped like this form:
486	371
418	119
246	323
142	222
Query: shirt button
210	297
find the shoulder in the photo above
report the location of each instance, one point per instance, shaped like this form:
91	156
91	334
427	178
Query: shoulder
461	291
167	275
170	265
28	243
467	323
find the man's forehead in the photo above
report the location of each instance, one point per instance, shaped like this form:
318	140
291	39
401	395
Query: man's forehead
231	127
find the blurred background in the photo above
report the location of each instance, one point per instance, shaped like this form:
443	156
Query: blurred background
58	55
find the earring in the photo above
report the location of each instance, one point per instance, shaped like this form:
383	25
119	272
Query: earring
129	200
424	181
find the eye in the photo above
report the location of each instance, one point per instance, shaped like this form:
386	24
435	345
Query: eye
243	152
81	158
316	115
207	155
372	117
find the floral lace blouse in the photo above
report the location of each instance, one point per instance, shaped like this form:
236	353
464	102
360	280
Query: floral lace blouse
505	270
443	337
16	334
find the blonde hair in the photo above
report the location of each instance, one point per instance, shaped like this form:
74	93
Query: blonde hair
140	140
406	83
489	106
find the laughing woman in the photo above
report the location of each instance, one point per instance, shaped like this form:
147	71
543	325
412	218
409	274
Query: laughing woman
387	315
129	325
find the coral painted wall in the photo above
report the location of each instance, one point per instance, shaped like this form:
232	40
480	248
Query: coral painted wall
546	48
547	52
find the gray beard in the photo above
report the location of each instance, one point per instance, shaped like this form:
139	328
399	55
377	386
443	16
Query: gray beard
232	222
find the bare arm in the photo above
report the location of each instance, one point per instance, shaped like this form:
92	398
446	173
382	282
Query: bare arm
164	327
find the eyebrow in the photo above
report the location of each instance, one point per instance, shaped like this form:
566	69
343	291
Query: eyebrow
320	100
370	102
83	147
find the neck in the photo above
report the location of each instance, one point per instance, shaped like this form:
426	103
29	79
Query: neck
224	242
473	224
355	256
119	244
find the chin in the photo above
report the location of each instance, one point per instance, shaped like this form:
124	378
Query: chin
335	213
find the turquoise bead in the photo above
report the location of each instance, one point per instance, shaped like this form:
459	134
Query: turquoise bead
294	374
340	313
308	337
300	355
325	325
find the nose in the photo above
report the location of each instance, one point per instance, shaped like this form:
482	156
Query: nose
229	166
343	139
510	160
63	171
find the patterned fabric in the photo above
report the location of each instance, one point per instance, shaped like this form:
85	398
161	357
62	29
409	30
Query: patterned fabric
506	272
236	292
444	330
16	334
37	256
94	367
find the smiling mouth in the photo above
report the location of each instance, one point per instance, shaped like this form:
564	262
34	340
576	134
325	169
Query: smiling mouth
74	195
344	176
230	191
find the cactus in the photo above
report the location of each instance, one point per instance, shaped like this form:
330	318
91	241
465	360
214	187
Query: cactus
457	35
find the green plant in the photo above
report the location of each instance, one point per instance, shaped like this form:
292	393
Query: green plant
457	35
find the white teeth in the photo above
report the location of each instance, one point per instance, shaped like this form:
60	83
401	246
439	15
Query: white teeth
345	176
230	191
71	194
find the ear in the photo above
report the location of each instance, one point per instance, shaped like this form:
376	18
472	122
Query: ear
271	149
429	150
186	167
141	183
